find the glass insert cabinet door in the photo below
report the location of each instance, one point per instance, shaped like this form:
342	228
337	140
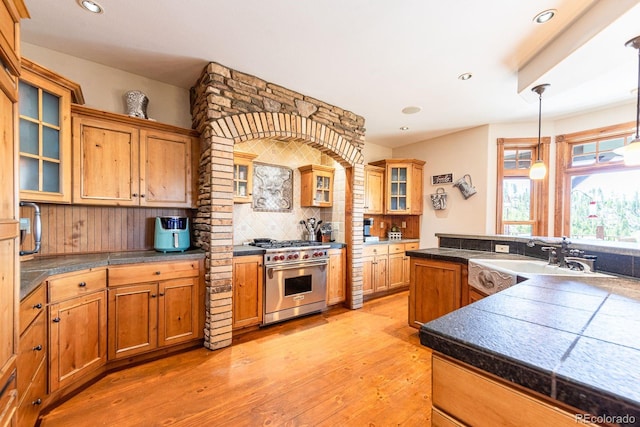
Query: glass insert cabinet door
39	139
44	140
398	189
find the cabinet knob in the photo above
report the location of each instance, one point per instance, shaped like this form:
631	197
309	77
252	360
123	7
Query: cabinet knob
56	319
38	401
37	348
161	294
135	194
153	295
37	306
82	284
157	273
142	195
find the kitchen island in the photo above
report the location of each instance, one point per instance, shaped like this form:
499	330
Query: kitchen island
573	343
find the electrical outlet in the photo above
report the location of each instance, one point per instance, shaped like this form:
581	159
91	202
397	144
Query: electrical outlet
404	224
381	224
503	249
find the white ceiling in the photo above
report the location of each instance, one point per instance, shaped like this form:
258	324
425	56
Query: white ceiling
372	57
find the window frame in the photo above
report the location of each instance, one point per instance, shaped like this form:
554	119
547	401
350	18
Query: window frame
539	189
564	171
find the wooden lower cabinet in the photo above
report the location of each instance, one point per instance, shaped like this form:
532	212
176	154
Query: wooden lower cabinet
435	289
32	380
336	277
248	274
77	338
464	396
374	269
475	295
399	264
146	316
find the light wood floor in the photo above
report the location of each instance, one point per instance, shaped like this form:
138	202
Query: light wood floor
342	368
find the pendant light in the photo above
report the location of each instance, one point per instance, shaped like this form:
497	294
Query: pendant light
631	152
539	170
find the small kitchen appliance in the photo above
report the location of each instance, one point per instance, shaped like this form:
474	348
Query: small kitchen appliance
368	223
171	234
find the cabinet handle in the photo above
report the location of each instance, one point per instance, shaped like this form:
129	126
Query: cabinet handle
82	284
153	295
37	348
135	194
38	306
38	401
157	273
161	294
142	195
56	319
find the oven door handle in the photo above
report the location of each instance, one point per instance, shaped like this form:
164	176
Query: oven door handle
281	267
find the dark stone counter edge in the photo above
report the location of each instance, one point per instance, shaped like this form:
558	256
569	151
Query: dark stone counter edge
593	401
579	396
34	272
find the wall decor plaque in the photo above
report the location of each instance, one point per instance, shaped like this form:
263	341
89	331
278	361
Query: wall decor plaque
446	178
272	188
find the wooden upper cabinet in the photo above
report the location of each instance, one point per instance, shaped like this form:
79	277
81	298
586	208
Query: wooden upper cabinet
106	168
243	177
373	190
45	133
124	161
165	169
403	185
316	186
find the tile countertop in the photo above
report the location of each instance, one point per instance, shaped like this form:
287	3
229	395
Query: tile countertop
574	340
33	272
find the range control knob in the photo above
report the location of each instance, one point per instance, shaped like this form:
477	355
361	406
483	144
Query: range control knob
305	256
295	256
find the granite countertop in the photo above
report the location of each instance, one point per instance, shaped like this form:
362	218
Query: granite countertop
385	241
33	272
576	340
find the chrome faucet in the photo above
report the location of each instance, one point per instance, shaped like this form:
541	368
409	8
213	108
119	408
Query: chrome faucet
557	255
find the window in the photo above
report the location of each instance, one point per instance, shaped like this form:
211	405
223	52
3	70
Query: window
521	202
598	196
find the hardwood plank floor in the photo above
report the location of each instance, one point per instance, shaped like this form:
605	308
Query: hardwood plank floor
341	368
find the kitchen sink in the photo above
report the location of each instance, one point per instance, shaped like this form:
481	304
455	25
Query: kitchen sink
493	275
519	266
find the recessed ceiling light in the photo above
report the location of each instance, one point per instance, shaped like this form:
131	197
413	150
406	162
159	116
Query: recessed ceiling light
91	6
411	110
465	76
404	128
544	16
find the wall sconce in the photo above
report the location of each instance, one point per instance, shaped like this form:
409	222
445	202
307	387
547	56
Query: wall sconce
539	170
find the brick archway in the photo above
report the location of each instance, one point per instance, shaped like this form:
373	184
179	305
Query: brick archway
224	116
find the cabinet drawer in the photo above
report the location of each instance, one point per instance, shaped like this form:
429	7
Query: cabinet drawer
373	250
33	398
72	285
31	306
139	273
396	248
412	246
32	351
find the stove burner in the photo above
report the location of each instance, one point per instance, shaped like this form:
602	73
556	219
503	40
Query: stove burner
278	244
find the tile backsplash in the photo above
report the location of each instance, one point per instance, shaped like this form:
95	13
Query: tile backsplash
249	224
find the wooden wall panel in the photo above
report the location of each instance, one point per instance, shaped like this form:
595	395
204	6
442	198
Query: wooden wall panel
68	229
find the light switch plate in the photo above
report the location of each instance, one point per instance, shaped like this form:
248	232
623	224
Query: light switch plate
503	249
25	224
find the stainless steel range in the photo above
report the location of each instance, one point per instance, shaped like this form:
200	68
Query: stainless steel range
295	278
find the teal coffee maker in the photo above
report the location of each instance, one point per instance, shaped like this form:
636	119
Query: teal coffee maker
172	234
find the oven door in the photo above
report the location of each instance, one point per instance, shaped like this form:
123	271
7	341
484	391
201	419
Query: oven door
294	289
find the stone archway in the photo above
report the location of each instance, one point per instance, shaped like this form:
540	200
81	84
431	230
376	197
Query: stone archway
216	103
